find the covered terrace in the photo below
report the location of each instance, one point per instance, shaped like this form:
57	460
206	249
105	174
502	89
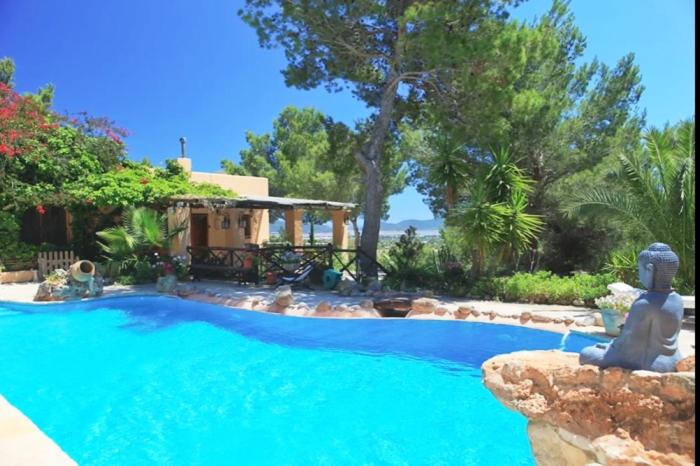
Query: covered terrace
227	236
225	209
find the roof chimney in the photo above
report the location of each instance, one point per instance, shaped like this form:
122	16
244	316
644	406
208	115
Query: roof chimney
183	161
183	141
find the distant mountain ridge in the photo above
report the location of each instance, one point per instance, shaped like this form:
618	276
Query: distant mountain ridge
420	225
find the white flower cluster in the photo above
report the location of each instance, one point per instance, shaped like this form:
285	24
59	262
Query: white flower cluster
620	303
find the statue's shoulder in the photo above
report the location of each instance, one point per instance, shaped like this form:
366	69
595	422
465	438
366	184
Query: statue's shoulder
657	299
643	301
675	298
645	297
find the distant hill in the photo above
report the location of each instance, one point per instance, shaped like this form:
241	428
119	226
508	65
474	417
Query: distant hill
420	225
431	225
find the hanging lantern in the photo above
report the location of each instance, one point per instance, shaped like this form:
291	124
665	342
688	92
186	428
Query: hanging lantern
226	223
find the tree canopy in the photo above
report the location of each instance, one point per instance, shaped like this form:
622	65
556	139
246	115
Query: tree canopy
375	48
309	155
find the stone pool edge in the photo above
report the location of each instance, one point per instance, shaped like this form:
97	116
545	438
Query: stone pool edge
23	443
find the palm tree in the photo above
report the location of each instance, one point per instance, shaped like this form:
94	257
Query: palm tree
448	167
656	193
481	223
504	177
493	217
520	228
143	231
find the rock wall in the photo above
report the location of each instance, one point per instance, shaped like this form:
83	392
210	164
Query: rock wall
582	414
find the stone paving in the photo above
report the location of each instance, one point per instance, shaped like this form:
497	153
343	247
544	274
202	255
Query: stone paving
22	443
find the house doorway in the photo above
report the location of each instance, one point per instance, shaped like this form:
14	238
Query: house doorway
49	226
199	230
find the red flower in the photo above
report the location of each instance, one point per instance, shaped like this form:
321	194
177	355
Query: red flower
40	209
144	180
23	124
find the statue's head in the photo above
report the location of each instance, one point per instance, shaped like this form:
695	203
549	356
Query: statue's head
658	265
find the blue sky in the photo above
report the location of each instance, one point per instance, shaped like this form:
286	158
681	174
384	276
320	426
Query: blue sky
164	69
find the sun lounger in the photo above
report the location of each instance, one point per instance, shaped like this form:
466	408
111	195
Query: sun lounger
298	277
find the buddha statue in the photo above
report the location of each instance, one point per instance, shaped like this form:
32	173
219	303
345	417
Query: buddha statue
649	336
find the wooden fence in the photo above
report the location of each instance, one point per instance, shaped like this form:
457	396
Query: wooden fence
51	260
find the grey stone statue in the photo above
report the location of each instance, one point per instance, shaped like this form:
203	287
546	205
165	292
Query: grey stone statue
649	337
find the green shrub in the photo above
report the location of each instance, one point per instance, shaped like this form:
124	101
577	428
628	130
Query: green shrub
544	287
623	264
145	272
55	277
14	254
126	280
404	261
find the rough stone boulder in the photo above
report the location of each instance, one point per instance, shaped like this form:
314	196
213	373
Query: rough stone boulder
463	312
339	310
284	296
346	287
166	284
686	364
184	290
54	288
650	416
324	307
424	305
298	310
585	321
61	286
367	304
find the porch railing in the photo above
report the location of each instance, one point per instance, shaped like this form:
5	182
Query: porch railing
253	263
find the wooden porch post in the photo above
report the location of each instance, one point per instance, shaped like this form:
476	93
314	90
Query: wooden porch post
340	229
179	216
293	222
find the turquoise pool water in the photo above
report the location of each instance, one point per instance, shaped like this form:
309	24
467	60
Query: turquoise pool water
157	380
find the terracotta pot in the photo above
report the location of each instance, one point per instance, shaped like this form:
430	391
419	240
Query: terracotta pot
82	271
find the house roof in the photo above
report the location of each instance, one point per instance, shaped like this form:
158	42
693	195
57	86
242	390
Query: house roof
259	202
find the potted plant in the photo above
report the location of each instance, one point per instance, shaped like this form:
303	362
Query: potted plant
167	280
614	309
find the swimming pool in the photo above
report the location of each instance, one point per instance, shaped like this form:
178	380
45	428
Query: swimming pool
158	380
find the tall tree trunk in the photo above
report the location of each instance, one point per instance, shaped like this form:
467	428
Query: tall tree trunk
450	196
369	159
477	263
372	219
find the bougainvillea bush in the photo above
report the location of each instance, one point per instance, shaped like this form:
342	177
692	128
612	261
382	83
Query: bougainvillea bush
77	162
24	125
